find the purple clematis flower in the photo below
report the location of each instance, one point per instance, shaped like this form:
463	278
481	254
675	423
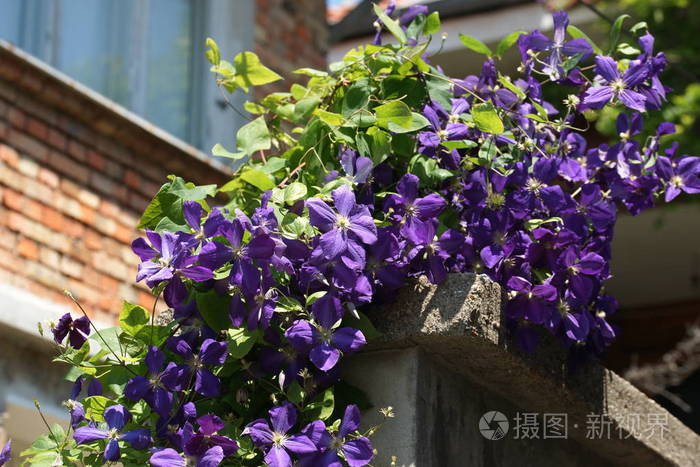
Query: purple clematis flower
273	437
211	353
345	231
116	417
324	340
168	257
6	453
408	208
157	388
193	213
196	444
532	302
613	85
682	175
76	330
169	457
357	452
358	169
558	50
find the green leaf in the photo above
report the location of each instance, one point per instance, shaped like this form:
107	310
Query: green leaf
212	53
314	296
576	33
95	407
108	338
219	150
462	144
641	26
310	72
294	192
507	42
329	118
273	164
394	112
615	32
295	393
241	341
133	318
392	25
258	179
432	23
250	72
627	49
188	191
397	117
356	99
475	44
214	309
253	137
486	118
322	406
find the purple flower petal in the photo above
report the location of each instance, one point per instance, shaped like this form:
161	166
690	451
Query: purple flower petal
112	452
278	457
320	214
350	421
167	458
606	67
260	432
206	383
300	444
87	434
212	457
283	417
358	452
117	416
348	339
155	358
213	352
324	356
139	438
209	424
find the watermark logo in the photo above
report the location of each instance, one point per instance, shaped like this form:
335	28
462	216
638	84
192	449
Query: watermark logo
493	425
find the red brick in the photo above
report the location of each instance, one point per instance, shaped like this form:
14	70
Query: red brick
16	117
13	200
28	249
53	219
96	160
37	128
27	144
124	234
68	167
33	210
132	179
93	240
57	139
77	150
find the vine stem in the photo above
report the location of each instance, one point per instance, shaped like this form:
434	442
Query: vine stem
121	362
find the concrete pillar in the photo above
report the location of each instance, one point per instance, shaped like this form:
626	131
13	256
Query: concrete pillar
445	366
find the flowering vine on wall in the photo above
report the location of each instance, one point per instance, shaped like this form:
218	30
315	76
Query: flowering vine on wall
373	173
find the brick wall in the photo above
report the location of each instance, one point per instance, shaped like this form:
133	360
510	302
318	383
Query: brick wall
75	174
291	34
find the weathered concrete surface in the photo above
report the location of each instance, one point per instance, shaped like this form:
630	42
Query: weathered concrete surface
443	361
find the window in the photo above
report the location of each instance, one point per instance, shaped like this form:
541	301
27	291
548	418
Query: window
147	55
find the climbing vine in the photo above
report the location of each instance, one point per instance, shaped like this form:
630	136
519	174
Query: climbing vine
372	173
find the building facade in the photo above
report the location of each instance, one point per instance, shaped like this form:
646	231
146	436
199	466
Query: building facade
88	133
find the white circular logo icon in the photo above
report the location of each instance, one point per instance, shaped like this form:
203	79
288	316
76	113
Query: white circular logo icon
493	425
